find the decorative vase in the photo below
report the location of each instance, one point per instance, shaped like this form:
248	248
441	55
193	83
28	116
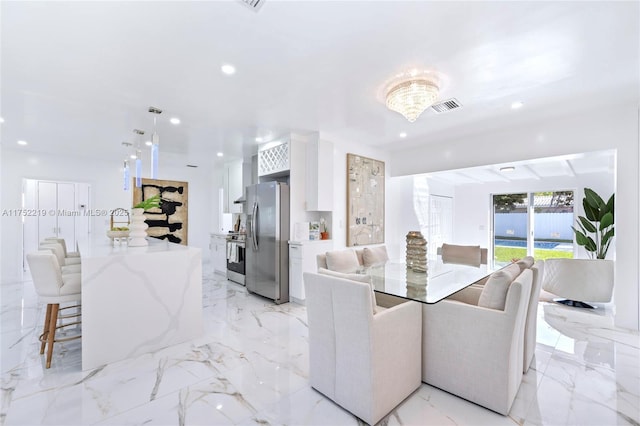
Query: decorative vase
138	229
324	235
416	252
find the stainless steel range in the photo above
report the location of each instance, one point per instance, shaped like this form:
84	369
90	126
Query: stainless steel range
236	257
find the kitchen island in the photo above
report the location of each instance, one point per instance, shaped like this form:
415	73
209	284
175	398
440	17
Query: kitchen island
137	300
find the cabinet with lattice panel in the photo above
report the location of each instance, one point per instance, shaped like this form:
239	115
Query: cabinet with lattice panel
273	160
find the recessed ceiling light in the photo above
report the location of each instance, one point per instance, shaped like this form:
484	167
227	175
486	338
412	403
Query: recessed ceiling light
219	154
517	104
259	139
403	135
148	143
133	156
175	120
22	143
507	169
228	69
1	120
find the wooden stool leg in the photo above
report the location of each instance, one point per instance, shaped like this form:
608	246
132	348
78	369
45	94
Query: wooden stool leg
52	332
45	329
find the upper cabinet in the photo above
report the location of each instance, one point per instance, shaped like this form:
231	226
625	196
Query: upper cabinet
274	161
319	176
233	188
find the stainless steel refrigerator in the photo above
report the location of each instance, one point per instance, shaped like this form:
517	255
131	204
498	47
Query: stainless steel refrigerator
267	251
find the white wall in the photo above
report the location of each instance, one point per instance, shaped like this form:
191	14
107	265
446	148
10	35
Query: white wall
610	128
339	181
106	183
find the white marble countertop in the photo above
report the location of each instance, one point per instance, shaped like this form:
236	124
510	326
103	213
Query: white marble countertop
298	243
102	247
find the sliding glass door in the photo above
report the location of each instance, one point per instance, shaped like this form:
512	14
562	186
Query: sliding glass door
536	224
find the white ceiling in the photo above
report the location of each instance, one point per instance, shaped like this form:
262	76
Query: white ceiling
575	165
79	76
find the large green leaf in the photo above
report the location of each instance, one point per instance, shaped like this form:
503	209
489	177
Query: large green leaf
591	213
607	236
581	239
591	245
593	199
587	224
607	221
611	204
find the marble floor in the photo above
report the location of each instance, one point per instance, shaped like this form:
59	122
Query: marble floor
250	367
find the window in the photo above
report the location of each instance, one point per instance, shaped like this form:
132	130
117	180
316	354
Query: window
536	224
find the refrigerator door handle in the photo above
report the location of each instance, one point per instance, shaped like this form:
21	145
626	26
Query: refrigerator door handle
254	229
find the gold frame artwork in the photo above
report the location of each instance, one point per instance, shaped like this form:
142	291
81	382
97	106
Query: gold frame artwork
169	221
365	200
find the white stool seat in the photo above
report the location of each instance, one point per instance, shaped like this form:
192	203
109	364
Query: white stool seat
53	287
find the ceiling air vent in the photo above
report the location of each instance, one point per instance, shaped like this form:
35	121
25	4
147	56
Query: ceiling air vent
447	105
254	5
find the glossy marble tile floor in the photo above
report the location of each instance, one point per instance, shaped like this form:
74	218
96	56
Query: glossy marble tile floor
250	367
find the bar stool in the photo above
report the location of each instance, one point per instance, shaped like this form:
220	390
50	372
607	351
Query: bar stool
53	288
67	265
61	241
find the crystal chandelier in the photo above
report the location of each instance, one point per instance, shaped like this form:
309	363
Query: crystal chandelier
412	97
411	93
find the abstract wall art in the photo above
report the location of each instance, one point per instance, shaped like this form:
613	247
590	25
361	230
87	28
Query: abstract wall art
169	221
365	200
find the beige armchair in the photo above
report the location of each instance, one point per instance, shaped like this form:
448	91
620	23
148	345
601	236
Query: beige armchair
367	363
476	352
346	261
531	324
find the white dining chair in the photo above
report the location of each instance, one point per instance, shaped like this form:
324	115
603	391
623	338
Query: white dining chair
473	350
366	362
53	288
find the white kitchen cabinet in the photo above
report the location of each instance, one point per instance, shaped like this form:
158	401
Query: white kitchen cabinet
233	188
302	258
319	176
219	253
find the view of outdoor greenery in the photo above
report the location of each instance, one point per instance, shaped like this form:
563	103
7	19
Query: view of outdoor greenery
551	219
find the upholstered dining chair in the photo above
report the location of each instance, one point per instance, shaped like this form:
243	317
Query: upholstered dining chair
465	255
346	261
53	288
531	325
367	363
473	348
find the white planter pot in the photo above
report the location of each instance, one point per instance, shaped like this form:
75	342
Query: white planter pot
138	229
589	280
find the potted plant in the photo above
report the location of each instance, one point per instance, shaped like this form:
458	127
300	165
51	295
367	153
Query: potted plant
138	225
594	276
149	203
324	234
597	225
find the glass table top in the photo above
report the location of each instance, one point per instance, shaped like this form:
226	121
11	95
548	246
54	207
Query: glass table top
440	281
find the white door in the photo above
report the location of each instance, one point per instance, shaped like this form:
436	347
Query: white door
47	204
67	211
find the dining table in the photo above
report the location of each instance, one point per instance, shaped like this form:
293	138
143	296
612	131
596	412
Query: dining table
439	281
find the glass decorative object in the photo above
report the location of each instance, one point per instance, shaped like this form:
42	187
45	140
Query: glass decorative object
416	252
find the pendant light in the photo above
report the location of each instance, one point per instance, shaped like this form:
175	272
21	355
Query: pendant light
139	134
155	142
126	172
